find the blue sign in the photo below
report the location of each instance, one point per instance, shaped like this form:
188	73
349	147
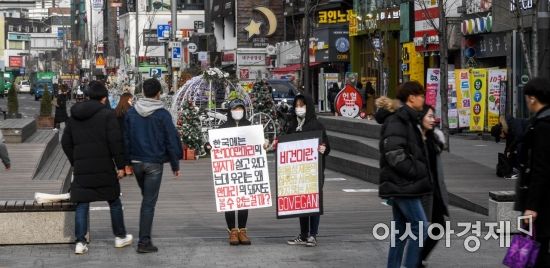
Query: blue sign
477	96
342	44
22	71
155	72
176	52
60	34
163	31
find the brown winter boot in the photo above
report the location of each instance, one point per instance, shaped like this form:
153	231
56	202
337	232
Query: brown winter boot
243	238
234	237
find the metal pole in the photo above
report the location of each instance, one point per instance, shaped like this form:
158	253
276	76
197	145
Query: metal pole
174	30
137	74
306	44
92	56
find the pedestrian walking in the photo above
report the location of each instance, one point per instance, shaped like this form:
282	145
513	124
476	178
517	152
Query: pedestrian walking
150	139
370	95
305	120
61	106
4	152
93	144
332	93
404	174
512	130
124	104
533	185
435	204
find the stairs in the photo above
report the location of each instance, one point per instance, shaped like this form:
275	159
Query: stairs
354	147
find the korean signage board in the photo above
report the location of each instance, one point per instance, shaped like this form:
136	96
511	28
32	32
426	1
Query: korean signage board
349	102
426	16
97	4
150	37
334	16
251	59
239	168
15	61
492	45
299	172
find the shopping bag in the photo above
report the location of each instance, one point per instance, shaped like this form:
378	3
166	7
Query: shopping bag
523	251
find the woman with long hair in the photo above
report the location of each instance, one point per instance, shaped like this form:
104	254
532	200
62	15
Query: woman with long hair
60	106
124	104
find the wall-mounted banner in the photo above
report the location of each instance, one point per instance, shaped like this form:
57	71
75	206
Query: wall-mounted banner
478	93
299	170
239	167
432	90
453	105
494	98
462	79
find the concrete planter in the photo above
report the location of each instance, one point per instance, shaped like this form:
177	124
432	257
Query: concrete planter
45	122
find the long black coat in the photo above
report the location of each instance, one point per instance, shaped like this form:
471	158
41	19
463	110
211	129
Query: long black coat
93	144
311	124
61	109
535	171
404	165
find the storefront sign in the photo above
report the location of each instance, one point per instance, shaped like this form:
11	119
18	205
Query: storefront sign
228	57
414	62
353	24
494	98
478	93
334	16
251	59
426	16
15	61
239	168
452	100
492	45
349	102
299	171
462	80
521	4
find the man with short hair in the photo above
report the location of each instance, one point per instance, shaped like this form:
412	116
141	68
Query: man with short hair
92	142
404	174
151	140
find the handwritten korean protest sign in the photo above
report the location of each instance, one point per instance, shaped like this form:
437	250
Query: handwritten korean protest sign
298	175
239	167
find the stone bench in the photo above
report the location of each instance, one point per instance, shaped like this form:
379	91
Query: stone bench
501	208
27	222
17	130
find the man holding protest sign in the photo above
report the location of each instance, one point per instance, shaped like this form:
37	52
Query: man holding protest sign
240	172
311	161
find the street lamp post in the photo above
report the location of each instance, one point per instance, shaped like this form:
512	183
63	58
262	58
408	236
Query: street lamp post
306	44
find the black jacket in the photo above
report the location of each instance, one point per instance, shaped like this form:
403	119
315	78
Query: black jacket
535	171
93	144
404	166
311	124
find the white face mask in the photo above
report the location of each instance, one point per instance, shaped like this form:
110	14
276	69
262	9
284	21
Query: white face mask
301	111
237	115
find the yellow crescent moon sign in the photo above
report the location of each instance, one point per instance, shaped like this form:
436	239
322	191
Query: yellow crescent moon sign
271	19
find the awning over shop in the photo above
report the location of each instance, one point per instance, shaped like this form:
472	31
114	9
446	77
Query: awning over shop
293	68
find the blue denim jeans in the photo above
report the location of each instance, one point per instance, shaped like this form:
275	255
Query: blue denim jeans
148	176
407	210
81	219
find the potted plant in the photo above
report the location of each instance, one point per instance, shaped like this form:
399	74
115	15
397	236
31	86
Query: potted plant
13	103
190	131
45	119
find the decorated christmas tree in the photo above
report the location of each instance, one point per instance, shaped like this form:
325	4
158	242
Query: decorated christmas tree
189	126
262	99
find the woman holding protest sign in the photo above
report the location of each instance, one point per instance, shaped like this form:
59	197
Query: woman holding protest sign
305	120
237	233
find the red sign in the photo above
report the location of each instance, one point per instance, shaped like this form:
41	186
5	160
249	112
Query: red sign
349	102
16	61
244	73
229	57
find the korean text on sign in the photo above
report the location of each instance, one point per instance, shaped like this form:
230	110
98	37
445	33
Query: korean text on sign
239	168
298	190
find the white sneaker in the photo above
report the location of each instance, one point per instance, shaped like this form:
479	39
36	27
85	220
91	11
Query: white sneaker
80	248
122	242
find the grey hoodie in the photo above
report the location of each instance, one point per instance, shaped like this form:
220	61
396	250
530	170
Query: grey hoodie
146	106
